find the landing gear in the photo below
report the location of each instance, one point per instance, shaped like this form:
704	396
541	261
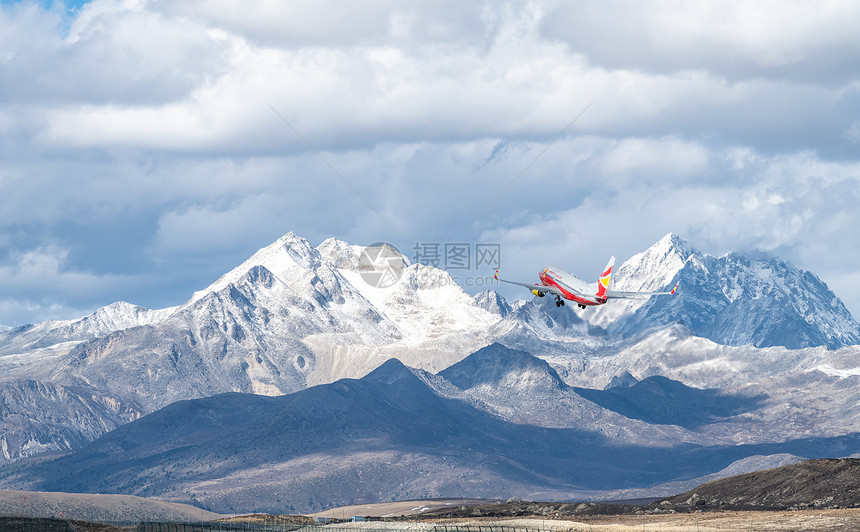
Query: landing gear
581	306
559	302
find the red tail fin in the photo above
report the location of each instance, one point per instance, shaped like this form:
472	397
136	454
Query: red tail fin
605	279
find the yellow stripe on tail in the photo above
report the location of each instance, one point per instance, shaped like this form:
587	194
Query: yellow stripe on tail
605	279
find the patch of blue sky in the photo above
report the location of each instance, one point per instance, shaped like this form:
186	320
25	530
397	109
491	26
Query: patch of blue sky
69	5
68	8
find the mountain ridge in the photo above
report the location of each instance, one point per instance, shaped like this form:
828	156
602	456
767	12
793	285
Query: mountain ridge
294	316
237	452
736	299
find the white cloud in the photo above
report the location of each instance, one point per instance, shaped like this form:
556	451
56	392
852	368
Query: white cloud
798	207
207	228
114	52
852	134
645	159
16	312
180	78
36	285
332	23
733	124
736	39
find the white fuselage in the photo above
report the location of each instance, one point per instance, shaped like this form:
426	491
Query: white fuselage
571	285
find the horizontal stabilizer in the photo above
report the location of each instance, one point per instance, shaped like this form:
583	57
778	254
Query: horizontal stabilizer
638	295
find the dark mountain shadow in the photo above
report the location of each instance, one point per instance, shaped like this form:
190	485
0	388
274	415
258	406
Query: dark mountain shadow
388	411
663	401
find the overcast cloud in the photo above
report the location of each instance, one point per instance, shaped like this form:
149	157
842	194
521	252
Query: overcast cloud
148	146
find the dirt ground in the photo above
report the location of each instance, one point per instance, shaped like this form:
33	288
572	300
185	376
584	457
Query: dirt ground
847	520
397	508
604	517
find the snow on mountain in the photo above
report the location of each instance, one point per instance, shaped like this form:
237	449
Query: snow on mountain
345	256
293	316
285	319
650	271
294	262
493	302
540	327
497	366
243	335
49	334
737	299
801	392
121	315
522	388
423	310
39	417
425	304
386	436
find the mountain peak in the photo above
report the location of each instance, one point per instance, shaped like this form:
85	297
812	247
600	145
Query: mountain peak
748	297
297	248
346	256
624	380
340	254
671	243
288	257
389	372
497	365
492	302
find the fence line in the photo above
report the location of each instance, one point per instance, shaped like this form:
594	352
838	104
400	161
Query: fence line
34	524
219	526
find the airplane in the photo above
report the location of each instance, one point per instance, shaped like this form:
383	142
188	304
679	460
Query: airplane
565	286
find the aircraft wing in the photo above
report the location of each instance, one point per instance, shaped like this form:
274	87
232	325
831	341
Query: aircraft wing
638	295
539	287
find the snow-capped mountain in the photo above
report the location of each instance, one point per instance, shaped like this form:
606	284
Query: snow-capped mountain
114	317
285	319
294	316
736	299
425	303
493	302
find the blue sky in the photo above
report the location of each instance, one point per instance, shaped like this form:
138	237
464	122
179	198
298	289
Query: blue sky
70	6
148	146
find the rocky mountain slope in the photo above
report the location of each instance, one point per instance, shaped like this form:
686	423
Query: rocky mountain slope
89	507
525	389
387	436
824	483
812	484
57	334
659	400
285	319
737	299
40	417
294	316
